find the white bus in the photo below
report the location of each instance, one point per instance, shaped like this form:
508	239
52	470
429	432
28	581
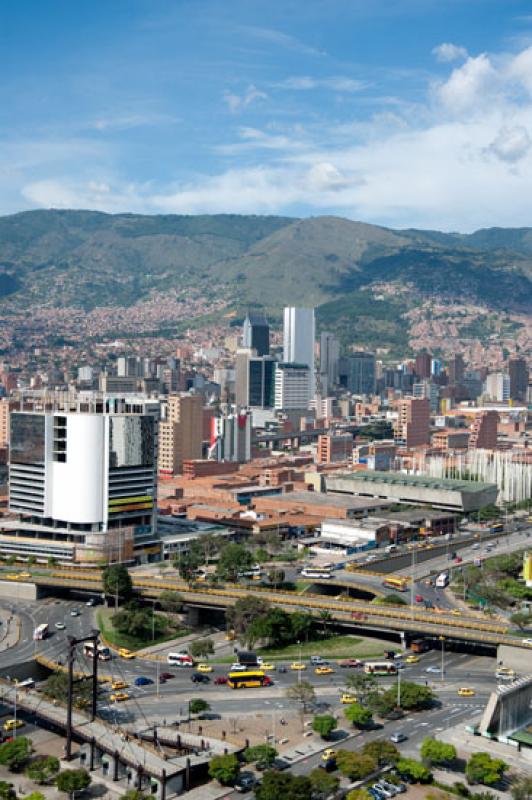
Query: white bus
442	580
311	571
41	632
180	659
104	654
380	668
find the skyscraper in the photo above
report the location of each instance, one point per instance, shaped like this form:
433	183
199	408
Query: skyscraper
329	358
255	380
298	340
423	364
518	370
292	386
412	427
180	432
361	373
256	334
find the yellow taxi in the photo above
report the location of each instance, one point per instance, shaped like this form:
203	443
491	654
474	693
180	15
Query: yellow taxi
119	697
204	668
412	659
24	575
466	692
296	666
118	685
323	671
11	724
456	612
12	576
125	653
348	698
328	755
267	666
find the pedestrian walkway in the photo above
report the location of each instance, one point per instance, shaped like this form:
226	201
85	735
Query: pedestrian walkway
9	629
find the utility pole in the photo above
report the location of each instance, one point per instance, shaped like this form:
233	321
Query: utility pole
72	643
398	688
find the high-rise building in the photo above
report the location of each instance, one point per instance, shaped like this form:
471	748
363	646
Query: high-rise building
429	390
256	334
230	438
298	340
497	387
334	447
292	386
518	370
483	430
254	380
456	369
180	432
329	358
412	427
82	478
361	373
423	364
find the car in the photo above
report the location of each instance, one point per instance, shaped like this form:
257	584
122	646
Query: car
419	598
167	676
456	612
350	663
119	697
475	546
125	653
318	661
385	791
245	782
348	698
400	664
528	642
221	680
118	685
74	612
433	669
60	626
398	787
282	669
412	659
323	671
398	737
458	560
266	666
465	691
11	724
280	764
199	677
143	681
296	666
237	667
328	755
91	602
375	794
204	668
24	575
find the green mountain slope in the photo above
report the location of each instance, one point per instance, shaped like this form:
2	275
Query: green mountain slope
84	259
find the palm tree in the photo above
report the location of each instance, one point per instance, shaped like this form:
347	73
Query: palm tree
325	619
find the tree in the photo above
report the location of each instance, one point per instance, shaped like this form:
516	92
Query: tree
358	715
322	784
324	724
275	628
355	765
276	785
43	769
302	693
414	697
117	581
15	754
362	685
7	792
413	770
521	621
358	794
143	623
234	558
244	612
134	794
187	563
224	769
276	576
73	780
434	751
482	768
202	648
382	751
171	601
326	619
197	705
263	754
56	684
301	623
390	600
522	789
34	796
261	555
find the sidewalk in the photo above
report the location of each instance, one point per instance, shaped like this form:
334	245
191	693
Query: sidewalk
9	630
180	644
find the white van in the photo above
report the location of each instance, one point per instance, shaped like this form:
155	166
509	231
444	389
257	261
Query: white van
392	548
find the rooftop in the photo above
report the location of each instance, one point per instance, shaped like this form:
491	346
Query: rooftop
422	481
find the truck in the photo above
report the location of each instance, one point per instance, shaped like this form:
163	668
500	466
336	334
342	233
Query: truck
419	646
442	580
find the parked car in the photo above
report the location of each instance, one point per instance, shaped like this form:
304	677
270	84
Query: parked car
280	764
245	782
384	790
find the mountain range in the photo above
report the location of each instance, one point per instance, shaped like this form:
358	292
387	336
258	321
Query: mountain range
85	259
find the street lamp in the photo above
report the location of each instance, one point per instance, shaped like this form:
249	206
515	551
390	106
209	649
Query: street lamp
442	640
299	670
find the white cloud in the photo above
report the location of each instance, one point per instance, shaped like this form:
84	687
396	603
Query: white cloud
511	144
472	85
237	102
447	51
336	84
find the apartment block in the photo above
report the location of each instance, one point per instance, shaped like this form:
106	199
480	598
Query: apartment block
180	432
412	427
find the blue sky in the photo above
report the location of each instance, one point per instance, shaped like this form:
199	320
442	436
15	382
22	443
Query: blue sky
396	112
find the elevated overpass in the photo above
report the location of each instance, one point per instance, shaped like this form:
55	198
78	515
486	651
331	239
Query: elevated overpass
344	610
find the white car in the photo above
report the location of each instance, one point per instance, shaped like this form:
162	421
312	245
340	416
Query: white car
433	669
60	626
527	641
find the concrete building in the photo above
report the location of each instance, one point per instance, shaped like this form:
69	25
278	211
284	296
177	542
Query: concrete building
423	365
329	358
456	369
82	479
299	333
334	447
497	387
518	373
430	391
450	439
358	373
255	380
412	427
292	386
483	430
230	438
180	432
256	334
453	495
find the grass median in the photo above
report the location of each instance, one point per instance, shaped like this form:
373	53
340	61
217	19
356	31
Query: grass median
117	639
331	647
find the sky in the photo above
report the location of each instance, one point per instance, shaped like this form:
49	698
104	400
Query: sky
405	113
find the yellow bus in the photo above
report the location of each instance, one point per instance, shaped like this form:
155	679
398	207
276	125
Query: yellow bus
248	679
398	583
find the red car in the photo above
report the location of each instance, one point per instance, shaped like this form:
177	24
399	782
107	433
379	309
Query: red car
166	676
419	598
350	662
458	560
221	680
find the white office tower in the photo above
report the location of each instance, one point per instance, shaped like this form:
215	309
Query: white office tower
292	386
497	387
82	478
329	358
231	437
298	341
